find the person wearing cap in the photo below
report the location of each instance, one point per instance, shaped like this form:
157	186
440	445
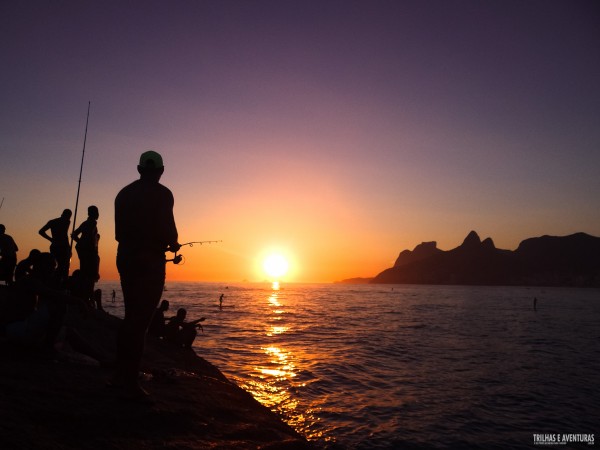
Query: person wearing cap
145	229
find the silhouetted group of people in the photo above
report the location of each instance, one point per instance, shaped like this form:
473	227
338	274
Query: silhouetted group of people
145	229
86	237
174	329
38	289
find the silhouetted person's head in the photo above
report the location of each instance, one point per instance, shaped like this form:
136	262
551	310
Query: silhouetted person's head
164	305
34	254
151	166
181	313
93	212
66	214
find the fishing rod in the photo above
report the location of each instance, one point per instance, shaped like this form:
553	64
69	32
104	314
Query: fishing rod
80	172
191	244
177	259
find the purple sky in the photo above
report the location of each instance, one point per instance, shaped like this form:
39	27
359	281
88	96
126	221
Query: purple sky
324	127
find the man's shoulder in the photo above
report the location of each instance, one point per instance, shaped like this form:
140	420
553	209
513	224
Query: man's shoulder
146	188
129	187
165	189
128	190
88	224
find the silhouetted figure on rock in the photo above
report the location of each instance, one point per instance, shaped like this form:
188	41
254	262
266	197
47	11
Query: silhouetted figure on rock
86	238
35	314
59	242
78	286
180	332
145	229
25	266
157	326
8	256
97	299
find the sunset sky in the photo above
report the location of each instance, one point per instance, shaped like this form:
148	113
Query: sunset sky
337	133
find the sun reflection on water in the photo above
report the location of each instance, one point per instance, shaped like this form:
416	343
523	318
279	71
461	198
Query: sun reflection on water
277	330
269	379
274	372
275	378
273	301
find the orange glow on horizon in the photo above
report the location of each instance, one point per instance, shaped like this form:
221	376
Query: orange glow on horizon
313	237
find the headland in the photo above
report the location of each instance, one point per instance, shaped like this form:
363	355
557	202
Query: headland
542	261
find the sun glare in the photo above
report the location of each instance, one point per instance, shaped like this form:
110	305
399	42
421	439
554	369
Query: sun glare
275	265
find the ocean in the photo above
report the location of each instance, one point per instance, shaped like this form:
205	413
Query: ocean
404	366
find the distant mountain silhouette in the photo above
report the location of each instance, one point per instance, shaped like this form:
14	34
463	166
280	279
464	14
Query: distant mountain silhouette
543	261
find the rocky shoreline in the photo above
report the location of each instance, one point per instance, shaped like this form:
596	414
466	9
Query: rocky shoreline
62	401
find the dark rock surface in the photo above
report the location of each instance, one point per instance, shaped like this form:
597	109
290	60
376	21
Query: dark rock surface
63	402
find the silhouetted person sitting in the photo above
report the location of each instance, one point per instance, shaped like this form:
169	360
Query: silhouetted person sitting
76	286
59	242
145	229
97	299
157	326
35	314
86	238
180	332
26	265
8	256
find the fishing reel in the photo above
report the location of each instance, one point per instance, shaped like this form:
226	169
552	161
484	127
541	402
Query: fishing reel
177	259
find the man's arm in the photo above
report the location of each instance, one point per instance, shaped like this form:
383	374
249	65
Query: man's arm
75	234
169	227
174	248
43	233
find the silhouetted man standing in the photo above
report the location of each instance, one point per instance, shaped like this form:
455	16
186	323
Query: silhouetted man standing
145	229
86	237
8	256
59	242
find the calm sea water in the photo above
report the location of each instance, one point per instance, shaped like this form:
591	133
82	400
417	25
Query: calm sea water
411	367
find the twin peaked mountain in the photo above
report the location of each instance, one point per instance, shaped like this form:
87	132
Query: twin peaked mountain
543	261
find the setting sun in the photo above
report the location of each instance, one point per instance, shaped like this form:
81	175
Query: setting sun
275	265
